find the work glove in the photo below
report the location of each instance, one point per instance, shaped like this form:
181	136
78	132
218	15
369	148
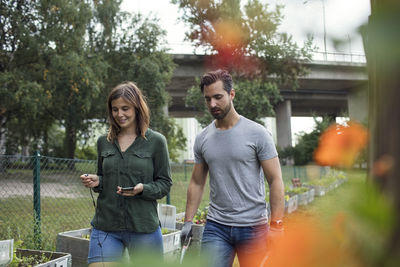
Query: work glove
186	232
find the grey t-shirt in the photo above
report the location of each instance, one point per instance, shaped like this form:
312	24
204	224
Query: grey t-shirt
237	187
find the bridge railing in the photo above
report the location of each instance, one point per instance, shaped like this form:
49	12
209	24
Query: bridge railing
338	57
189	49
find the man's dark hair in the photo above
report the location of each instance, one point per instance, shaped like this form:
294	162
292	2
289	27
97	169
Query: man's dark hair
217	75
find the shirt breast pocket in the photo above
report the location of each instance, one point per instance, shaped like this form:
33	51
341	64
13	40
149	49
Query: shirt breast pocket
141	162
109	161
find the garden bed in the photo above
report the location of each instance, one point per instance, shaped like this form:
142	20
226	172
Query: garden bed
291	203
52	259
76	243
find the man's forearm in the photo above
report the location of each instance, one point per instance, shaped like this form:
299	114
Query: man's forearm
194	196
277	199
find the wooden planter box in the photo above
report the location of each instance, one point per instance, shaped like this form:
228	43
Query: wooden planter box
73	242
57	259
172	241
292	204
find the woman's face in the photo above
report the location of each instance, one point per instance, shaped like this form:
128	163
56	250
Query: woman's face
124	113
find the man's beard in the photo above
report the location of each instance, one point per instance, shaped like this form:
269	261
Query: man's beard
223	112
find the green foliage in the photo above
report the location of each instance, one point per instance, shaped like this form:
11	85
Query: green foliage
52	142
328	179
31	260
87	152
201	216
261	59
308	142
372	214
303	151
176	140
296	190
60	59
254	100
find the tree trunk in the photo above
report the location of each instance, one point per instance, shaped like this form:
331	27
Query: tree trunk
3	138
70	144
382	42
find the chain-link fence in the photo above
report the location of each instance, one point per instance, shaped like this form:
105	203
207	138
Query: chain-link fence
42	196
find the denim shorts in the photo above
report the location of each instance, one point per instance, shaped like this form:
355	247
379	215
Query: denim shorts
221	242
110	246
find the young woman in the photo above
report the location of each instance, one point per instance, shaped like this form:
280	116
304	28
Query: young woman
133	171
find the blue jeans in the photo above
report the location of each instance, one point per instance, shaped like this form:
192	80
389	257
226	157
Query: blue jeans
110	246
221	242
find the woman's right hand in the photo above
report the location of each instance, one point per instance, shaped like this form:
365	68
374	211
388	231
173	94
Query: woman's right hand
90	180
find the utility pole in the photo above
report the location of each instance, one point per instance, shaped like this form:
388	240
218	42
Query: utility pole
324	24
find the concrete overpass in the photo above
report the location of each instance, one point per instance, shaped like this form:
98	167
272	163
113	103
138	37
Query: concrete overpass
331	88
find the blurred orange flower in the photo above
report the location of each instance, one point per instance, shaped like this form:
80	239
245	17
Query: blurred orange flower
229	39
228	35
383	165
340	145
307	242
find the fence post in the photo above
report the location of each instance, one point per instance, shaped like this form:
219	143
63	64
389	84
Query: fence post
36	200
168	199
184	168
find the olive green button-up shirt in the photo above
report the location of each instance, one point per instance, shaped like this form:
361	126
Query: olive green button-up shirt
146	161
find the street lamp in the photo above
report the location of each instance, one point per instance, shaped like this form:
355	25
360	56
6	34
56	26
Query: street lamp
323	17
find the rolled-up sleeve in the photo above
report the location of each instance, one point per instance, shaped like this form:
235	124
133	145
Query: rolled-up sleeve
162	181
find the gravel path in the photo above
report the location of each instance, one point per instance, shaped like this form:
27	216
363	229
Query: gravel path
10	189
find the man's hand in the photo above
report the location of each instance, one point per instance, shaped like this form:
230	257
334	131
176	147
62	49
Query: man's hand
186	231
275	235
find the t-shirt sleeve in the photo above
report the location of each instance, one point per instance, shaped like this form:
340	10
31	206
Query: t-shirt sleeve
198	155
266	148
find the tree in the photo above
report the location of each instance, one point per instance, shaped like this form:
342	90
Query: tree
381	37
71	78
246	42
59	60
21	105
135	53
303	152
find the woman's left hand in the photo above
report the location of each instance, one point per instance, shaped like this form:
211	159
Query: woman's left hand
130	193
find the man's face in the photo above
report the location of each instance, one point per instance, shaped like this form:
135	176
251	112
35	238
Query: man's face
218	101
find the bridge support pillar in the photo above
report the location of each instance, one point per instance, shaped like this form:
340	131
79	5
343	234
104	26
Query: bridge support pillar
283	113
358	104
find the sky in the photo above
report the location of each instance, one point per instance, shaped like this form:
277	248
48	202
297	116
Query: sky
342	20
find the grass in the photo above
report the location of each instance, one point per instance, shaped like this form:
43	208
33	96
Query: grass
366	217
59	214
355	218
